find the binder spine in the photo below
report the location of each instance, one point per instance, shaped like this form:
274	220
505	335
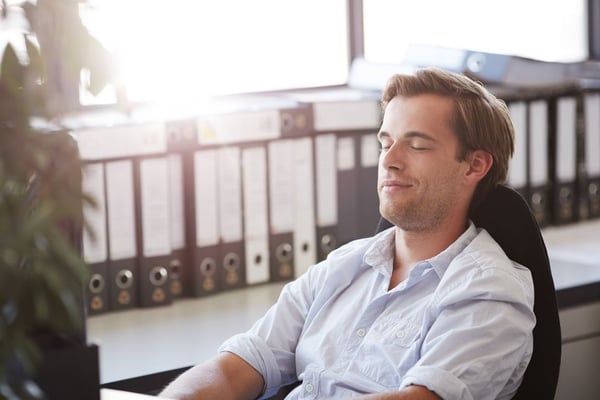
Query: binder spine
95	246
591	189
153	228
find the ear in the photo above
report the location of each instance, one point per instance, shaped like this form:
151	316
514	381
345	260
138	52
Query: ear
480	162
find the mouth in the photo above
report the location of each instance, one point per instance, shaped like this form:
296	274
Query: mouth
391	185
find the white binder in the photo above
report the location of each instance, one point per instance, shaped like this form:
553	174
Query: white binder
305	253
256	228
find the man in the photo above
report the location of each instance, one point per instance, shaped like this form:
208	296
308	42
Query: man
430	308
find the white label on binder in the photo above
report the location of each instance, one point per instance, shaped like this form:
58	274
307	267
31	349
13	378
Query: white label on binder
346	115
176	202
120	205
326	178
281	185
369	150
592	134
95	247
205	188
305	249
256	229
517	170
121	141
230	194
154	182
345	154
566	138
236	127
255	191
538	136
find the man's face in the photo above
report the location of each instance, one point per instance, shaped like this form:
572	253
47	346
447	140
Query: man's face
420	177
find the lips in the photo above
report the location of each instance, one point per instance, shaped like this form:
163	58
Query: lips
394	185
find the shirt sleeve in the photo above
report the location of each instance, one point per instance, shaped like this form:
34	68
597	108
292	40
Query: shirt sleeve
269	346
481	337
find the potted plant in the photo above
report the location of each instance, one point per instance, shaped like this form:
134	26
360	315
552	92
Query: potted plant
42	274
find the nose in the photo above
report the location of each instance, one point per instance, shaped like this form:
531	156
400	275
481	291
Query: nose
391	158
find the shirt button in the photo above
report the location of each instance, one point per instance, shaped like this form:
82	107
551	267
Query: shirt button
400	334
361	332
309	387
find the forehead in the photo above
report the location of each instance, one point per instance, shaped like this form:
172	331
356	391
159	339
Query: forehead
427	113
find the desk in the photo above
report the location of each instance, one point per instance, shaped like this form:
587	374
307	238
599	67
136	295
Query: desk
111	394
574	251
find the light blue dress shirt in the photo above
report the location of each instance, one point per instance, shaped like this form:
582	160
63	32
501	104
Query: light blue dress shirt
460	324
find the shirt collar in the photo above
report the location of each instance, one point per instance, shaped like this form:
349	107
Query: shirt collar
380	254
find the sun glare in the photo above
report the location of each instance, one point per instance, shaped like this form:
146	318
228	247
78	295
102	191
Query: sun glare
183	50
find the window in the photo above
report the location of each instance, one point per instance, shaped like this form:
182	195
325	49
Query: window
549	30
189	49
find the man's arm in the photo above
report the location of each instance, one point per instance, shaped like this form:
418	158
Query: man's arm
413	392
226	376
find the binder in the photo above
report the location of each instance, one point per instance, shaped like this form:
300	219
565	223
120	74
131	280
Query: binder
154	245
281	208
490	68
539	166
296	121
592	153
181	143
95	245
256	224
305	251
368	198
232	262
349	114
177	265
206	225
122	236
348	188
116	143
326	180
565	167
517	169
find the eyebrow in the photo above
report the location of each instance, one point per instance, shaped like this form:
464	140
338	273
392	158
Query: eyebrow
408	135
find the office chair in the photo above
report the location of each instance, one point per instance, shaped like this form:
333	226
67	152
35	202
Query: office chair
507	217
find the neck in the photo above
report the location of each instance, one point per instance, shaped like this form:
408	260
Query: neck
414	246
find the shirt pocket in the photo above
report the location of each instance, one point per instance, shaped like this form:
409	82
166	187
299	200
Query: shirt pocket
402	333
390	349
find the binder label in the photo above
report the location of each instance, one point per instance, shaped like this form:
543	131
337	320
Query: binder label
154	180
120	209
121	141
94	247
205	186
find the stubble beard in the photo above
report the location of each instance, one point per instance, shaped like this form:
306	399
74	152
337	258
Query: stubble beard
416	215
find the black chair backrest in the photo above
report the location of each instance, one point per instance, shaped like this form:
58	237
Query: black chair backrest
507	217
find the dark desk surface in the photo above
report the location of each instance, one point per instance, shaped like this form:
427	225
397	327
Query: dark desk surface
111	394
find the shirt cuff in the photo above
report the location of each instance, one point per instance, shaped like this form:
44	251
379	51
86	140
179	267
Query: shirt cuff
254	351
437	380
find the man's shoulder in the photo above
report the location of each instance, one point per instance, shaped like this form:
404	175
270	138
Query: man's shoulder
484	263
487	253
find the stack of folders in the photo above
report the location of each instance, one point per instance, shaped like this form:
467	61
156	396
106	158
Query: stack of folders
345	126
128	246
215	201
258	189
556	165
